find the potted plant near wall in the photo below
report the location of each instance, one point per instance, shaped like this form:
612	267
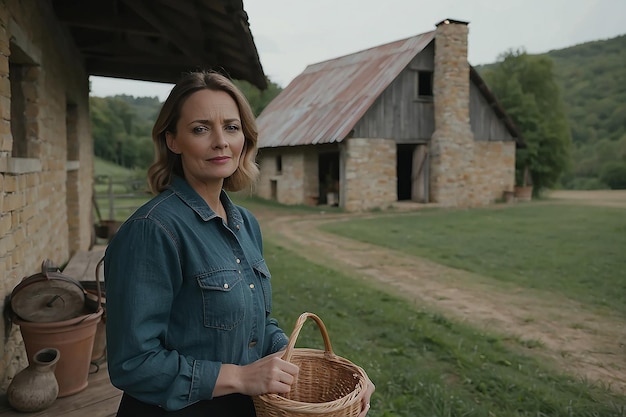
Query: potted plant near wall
105	229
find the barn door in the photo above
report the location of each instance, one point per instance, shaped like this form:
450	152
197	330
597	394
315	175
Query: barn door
419	174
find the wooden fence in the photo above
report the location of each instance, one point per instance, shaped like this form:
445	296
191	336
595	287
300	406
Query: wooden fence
119	196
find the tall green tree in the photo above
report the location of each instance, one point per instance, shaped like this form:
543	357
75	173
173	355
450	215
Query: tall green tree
120	134
526	87
258	99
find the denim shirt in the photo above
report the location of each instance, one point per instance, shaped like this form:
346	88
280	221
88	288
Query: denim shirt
185	293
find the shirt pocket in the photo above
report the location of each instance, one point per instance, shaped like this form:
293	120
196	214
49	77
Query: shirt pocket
263	274
222	299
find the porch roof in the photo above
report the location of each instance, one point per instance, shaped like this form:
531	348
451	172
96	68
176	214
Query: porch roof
158	40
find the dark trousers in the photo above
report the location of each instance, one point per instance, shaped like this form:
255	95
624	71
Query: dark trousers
234	405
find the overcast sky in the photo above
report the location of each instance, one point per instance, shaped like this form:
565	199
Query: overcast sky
291	34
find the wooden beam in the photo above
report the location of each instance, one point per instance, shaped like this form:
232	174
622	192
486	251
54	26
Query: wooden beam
170	24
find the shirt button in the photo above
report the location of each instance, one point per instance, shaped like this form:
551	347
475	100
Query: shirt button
237	227
239	271
225	286
252	344
238	260
251	286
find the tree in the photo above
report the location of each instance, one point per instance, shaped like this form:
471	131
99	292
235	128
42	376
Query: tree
526	87
614	175
122	128
258	99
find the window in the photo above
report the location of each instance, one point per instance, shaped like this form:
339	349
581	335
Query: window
424	84
18	111
23	79
279	164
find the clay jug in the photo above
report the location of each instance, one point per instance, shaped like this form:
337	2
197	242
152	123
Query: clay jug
35	387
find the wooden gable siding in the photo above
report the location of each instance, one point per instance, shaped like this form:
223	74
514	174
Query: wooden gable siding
398	113
486	125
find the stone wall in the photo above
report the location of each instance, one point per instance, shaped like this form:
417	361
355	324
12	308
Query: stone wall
296	182
46	152
452	153
370	174
368	178
492	172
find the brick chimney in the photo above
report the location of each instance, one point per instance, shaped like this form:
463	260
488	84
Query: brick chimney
452	143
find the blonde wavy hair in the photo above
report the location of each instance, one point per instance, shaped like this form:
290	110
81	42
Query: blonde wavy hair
167	163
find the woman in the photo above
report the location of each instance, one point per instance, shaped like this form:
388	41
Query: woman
189	299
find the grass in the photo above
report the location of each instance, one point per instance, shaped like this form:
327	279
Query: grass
106	168
577	251
127	186
423	363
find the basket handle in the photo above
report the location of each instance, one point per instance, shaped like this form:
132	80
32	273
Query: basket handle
296	331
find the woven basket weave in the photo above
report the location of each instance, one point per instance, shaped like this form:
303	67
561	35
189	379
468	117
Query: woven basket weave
327	385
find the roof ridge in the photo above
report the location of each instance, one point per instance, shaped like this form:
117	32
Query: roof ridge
362	51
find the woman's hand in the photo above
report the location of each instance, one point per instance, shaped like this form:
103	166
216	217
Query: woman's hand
365	402
270	374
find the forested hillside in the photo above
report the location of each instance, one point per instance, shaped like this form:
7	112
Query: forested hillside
122	127
592	78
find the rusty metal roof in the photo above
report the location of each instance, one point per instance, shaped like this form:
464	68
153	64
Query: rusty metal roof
324	103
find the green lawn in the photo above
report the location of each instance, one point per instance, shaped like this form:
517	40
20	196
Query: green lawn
576	251
423	363
129	188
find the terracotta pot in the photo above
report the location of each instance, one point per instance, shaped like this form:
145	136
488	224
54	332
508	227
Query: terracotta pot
35	387
98	353
73	338
524	193
106	229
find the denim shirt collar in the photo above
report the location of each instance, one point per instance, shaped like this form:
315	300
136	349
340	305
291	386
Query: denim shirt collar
181	188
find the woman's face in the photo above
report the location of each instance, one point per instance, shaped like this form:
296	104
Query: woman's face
208	137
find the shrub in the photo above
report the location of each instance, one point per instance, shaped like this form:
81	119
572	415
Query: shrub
614	175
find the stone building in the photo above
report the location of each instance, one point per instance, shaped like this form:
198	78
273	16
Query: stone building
48	50
408	120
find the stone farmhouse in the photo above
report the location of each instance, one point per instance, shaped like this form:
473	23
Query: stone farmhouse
48	50
409	120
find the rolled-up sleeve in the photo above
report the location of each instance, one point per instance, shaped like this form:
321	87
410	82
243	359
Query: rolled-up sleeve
274	336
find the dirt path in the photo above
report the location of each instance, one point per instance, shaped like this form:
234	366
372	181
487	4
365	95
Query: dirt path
584	343
605	198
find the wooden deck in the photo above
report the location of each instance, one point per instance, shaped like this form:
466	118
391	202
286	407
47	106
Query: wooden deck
100	398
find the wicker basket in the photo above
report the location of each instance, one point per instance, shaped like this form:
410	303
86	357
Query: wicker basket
327	385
